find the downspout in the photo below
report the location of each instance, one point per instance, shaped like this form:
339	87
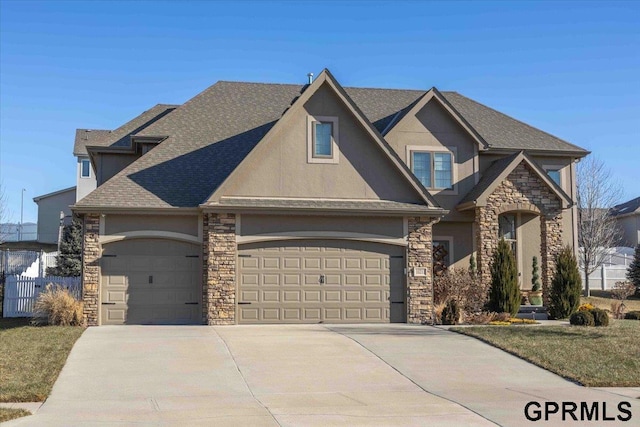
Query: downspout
574	208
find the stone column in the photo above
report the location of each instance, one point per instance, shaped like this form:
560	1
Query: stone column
550	246
486	240
219	264
91	268
420	288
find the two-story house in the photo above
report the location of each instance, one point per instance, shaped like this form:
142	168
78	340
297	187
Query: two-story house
272	203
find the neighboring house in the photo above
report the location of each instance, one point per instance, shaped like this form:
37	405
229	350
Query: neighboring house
53	212
274	203
628	219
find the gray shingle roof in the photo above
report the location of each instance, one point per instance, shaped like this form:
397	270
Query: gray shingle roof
120	136
86	137
210	135
626	208
502	131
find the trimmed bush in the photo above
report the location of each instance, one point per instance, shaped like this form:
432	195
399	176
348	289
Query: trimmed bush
600	317
566	286
450	313
535	300
57	306
582	318
632	315
504	294
535	276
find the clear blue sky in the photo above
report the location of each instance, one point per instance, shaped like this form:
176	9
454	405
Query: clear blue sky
571	69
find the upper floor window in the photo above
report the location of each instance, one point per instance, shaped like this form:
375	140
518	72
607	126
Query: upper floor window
434	169
85	168
554	174
322	136
322	140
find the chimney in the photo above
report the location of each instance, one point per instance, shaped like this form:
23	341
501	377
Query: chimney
310	75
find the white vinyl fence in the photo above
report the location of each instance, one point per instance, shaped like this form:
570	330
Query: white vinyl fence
20	293
606	276
26	263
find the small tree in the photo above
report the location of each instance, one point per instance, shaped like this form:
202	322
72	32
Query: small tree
535	275
504	294
596	194
69	259
566	285
633	272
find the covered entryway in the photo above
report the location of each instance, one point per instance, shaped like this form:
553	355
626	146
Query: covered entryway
150	281
312	281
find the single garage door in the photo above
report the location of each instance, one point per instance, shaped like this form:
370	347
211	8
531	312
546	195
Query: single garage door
312	281
150	281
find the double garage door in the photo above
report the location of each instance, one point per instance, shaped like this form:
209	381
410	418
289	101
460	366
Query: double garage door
157	281
312	281
150	281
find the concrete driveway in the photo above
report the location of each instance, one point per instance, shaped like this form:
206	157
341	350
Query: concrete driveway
297	375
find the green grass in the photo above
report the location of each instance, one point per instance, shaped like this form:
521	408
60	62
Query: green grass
32	358
7	414
595	357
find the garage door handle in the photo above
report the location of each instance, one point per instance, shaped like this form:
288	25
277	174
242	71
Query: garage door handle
191	303
108	303
243	303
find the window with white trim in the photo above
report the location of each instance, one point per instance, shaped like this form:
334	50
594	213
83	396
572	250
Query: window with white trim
322	139
434	169
85	168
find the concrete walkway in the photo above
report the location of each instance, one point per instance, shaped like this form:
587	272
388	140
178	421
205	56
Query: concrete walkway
310	375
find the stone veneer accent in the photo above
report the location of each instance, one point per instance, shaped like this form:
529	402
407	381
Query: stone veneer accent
420	289
91	268
219	265
521	191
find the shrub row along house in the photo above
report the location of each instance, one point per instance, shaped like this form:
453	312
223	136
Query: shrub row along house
274	203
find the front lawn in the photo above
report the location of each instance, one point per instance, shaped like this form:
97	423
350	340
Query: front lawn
7	414
32	358
603	300
594	357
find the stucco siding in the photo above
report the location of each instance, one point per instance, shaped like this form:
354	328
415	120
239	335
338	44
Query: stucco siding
462	235
433	127
110	164
186	224
363	171
86	185
260	225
